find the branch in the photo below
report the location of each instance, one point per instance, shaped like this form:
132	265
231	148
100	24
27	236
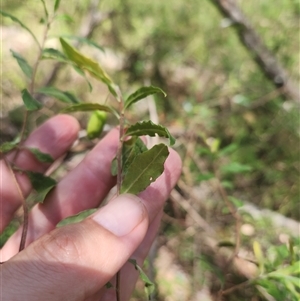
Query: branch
263	57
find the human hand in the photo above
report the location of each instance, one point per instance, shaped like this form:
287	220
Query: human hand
76	261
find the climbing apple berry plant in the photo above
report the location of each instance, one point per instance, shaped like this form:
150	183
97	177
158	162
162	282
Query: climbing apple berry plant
134	165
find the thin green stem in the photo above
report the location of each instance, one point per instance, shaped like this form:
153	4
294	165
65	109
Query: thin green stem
32	84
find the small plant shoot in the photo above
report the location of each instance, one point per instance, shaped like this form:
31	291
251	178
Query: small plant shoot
135	166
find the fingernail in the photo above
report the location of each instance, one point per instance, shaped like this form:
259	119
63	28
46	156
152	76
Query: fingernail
121	215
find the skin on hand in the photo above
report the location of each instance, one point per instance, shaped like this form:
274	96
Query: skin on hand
75	262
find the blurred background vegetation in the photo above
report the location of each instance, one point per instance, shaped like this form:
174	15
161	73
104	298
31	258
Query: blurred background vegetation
237	133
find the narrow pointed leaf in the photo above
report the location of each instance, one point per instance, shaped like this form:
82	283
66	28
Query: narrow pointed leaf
22	63
65	17
76	218
83	40
31	103
83	107
149	128
63	96
142	93
8	146
14	19
149	285
51	53
145	169
88	64
42	184
81	72
42	157
45	9
72	97
56	5
259	255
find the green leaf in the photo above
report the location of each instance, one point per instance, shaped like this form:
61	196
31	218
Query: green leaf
149	285
108	285
213	145
63	96
51	53
149	128
5	14
96	124
114	167
41	184
45	9
227	184
72	97
259	255
42	21
145	169
83	40
235	168
65	17
56	5
237	203
8	146
205	177
83	107
289	270
85	63
22	63
81	72
42	157
229	149
76	218
142	93
131	148
31	103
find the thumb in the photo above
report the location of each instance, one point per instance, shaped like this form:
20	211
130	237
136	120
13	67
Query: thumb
74	262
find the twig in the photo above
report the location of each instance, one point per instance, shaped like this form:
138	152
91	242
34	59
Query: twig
254	44
119	175
191	211
235	287
120	146
25	209
22	134
32	83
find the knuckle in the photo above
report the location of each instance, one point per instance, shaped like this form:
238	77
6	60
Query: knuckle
61	246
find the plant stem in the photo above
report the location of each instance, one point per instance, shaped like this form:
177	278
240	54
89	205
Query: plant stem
25	209
119	175
119	153
22	135
235	287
